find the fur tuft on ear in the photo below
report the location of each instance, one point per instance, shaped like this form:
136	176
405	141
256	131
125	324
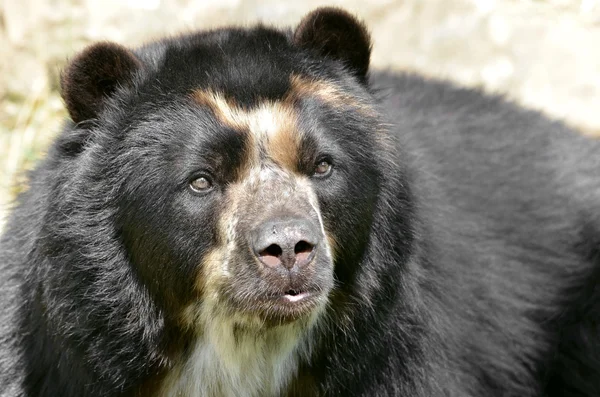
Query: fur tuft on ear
335	33
93	75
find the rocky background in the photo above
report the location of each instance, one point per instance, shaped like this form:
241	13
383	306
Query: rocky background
543	54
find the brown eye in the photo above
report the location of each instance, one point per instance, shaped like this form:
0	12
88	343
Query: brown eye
201	185
323	168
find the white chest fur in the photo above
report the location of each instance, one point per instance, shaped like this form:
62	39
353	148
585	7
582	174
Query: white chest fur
225	362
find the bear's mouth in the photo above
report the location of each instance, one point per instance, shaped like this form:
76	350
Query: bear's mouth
295	295
294	298
293	304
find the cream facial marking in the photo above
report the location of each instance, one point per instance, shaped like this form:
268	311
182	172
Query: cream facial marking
272	126
328	93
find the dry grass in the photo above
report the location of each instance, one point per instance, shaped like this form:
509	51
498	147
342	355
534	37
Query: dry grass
27	132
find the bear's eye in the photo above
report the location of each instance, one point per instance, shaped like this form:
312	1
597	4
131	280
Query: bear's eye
323	168
201	184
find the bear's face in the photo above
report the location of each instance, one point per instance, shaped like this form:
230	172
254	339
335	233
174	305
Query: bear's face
245	206
231	206
246	190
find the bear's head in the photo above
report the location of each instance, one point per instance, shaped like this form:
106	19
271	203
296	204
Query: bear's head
233	170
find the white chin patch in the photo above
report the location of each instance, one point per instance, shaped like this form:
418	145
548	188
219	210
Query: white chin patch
227	360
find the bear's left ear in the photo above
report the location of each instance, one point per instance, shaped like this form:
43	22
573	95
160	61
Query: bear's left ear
335	33
93	76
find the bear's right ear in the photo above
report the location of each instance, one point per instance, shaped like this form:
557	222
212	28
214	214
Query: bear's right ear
92	76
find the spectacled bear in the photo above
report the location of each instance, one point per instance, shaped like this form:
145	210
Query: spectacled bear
250	212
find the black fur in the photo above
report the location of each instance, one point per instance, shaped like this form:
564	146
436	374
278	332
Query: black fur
334	33
468	228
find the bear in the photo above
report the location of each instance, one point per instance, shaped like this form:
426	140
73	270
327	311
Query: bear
253	212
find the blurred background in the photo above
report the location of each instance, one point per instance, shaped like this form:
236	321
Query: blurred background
544	54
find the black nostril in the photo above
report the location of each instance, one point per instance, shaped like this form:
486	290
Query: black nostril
302	251
272	250
270	256
302	247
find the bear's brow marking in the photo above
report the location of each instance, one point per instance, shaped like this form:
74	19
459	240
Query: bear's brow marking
272	126
327	93
226	109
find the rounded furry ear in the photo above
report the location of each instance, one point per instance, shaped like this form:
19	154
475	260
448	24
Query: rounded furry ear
93	75
335	33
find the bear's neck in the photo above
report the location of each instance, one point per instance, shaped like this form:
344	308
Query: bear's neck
226	360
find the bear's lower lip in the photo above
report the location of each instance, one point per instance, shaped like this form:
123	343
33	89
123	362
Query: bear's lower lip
294	296
285	308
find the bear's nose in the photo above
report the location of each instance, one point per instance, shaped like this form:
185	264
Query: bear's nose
285	242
